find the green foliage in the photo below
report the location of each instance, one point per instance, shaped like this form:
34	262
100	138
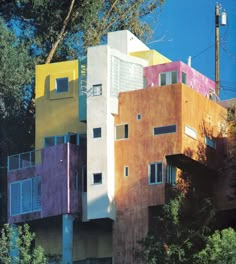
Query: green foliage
220	248
87	24
178	233
20	241
16	111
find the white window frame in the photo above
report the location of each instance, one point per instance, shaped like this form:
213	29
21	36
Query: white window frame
168	76
156	173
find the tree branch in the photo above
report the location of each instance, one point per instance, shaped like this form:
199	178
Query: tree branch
61	34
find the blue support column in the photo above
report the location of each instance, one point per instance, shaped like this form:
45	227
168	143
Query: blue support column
67	239
14	251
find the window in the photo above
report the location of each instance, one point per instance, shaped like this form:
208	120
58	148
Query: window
190	132
122	131
166	78
155	173
164	130
139	116
126	171
97	89
97	132
170	174
56	140
97	178
210	142
184	78
84	178
25	196
62	85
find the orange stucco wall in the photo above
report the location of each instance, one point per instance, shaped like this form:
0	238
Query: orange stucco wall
133	193
158	106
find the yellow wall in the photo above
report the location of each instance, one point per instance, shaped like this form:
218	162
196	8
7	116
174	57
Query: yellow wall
153	57
56	113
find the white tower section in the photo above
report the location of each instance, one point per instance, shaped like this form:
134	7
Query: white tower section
109	71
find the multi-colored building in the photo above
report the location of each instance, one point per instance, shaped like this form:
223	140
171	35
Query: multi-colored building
112	131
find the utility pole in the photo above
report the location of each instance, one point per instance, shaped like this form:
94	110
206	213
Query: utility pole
223	16
217	49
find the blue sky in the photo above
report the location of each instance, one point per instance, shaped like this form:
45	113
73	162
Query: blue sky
187	28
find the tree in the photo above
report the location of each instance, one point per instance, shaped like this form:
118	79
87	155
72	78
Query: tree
62	28
179	232
220	248
23	245
16	109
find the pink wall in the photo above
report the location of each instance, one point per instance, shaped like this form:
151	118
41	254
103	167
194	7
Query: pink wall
195	79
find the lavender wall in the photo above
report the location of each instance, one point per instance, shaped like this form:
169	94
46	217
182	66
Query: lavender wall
195	79
57	196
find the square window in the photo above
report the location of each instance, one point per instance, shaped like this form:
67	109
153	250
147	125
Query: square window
97	89
62	85
49	142
97	132
126	171
139	116
166	78
97	178
122	131
155	173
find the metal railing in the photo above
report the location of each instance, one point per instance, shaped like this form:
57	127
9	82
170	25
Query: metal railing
24	160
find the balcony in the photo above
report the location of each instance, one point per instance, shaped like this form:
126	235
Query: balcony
24	160
46	183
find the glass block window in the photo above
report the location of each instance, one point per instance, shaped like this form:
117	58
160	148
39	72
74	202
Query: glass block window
125	76
62	85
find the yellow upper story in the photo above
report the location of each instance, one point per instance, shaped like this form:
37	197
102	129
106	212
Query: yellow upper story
57	100
151	56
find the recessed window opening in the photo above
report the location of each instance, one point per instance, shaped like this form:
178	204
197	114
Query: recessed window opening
166	78
97	178
126	171
139	116
190	132
184	78
164	130
97	132
155	173
122	131
62	85
97	89
210	142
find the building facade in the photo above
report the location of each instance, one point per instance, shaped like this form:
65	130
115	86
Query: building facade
112	131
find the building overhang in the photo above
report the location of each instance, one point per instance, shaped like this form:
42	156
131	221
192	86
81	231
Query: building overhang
190	165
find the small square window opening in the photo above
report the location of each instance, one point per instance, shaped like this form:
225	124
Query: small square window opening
62	85
97	178
97	132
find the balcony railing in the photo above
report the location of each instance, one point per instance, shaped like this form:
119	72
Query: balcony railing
24	160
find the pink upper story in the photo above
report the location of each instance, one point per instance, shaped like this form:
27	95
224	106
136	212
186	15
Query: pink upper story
194	79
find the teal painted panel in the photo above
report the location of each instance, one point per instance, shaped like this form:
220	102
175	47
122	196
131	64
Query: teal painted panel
83	108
